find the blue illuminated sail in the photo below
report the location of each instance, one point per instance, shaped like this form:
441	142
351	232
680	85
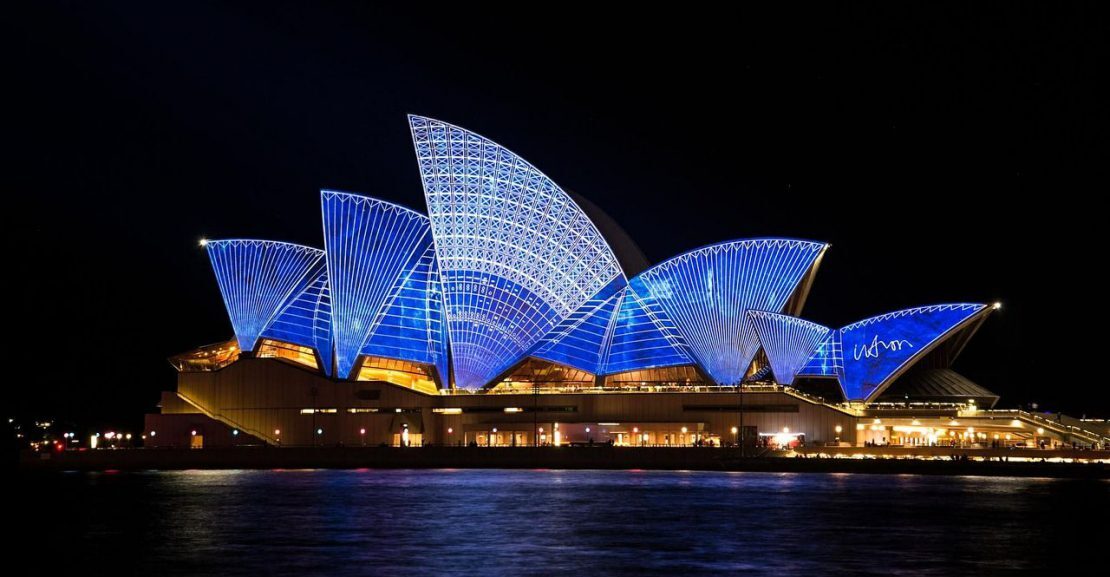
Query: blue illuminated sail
516	254
788	342
827	360
371	245
412	327
579	341
876	350
306	320
643	338
708	293
258	278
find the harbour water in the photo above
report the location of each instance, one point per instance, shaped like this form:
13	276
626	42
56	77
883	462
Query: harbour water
540	522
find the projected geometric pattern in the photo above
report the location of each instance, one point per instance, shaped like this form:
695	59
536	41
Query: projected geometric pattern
257	278
579	341
306	320
643	337
708	293
516	255
827	360
412	326
876	349
788	341
371	245
508	266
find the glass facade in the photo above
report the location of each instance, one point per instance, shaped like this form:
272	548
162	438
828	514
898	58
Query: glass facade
397	372
274	349
788	342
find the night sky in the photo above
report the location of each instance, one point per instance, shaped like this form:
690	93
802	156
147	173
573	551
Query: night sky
937	150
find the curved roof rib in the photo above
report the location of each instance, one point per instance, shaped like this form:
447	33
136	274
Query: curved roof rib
516	254
788	341
258	278
708	292
371	244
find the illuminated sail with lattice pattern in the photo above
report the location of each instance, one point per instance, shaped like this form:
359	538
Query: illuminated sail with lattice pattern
516	254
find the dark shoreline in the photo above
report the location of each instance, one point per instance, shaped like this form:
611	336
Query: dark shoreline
650	458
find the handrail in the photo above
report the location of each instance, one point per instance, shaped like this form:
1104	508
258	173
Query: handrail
219	417
1033	418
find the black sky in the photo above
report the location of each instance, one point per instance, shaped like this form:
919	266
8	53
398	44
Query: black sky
937	149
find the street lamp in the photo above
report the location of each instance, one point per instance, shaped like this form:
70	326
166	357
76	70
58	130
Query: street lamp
838	430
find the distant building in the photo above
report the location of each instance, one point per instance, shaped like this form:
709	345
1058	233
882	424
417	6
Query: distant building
516	313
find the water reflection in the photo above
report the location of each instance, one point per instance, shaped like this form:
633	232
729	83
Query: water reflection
544	522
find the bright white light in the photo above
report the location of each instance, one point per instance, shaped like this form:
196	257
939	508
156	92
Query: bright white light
319	431
452	430
362	431
587	429
153	433
235	432
1040	430
203	242
786	429
683	429
735	430
193	433
277	431
997	305
495	429
128	436
838	429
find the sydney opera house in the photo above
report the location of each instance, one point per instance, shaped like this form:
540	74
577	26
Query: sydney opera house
514	312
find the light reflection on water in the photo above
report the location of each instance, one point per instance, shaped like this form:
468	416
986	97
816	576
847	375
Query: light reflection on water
300	522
